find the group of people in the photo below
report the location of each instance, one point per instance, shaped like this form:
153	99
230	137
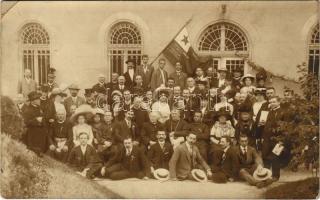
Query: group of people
146	123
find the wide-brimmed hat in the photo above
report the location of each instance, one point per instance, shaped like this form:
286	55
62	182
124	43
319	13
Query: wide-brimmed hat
199	175
162	91
98	111
247	76
74	87
33	96
116	92
57	91
223	112
161	174
245	108
262	174
83	109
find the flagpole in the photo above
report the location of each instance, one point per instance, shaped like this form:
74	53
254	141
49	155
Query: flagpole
172	39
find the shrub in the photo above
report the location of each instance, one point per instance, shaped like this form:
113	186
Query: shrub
11	121
21	173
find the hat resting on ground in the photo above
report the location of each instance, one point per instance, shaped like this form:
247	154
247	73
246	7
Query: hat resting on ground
262	174
33	96
161	174
199	175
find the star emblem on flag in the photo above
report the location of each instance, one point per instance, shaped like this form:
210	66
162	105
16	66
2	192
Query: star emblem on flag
185	40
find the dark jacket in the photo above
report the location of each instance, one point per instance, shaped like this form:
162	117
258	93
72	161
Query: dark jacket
122	131
159	158
60	130
149	132
80	161
222	162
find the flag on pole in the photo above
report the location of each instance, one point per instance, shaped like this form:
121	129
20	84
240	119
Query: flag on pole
180	50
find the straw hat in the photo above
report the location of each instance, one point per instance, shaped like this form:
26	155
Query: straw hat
84	109
161	174
199	175
247	76
262	174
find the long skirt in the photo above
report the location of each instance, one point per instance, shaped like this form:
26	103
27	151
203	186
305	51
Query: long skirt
37	139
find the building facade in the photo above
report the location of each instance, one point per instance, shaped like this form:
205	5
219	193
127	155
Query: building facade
83	39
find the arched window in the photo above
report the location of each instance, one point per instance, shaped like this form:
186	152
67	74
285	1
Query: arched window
36	51
314	51
224	41
124	42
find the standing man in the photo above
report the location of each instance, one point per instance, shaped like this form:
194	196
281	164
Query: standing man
130	74
74	99
27	84
101	86
159	76
52	81
126	128
121	86
179	76
185	158
219	82
145	70
114	81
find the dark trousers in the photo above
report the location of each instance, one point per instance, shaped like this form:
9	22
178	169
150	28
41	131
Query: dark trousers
273	162
118	172
203	149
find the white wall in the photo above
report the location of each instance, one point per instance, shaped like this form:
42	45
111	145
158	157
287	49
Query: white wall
277	33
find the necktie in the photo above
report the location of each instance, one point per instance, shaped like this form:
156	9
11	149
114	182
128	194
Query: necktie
128	152
245	153
162	76
129	124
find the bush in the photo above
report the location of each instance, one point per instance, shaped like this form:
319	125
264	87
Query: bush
304	189
21	173
11	121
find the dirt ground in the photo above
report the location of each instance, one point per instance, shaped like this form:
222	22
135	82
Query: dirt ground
135	188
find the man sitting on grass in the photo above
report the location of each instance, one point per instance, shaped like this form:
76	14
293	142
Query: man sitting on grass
84	159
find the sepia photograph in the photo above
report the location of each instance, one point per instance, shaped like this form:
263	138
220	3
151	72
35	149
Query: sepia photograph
159	99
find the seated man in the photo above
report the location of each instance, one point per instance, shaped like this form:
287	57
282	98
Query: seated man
84	158
60	137
246	160
160	153
106	147
185	158
149	130
202	132
129	163
222	170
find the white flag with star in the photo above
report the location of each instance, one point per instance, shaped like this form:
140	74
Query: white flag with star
183	39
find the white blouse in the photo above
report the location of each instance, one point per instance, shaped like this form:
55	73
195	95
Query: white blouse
162	109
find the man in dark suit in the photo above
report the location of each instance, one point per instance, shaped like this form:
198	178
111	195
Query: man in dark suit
74	99
219	82
246	160
84	159
149	130
145	70
130	162
176	126
202	131
130	74
126	128
121	86
179	76
101	86
191	103
159	76
185	158
140	115
60	137
114	81
160	153
222	168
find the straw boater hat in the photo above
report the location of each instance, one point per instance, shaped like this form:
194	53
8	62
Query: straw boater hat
262	174
116	92
74	87
199	175
84	109
248	76
161	174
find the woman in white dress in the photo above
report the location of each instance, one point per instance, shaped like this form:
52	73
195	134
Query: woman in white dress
161	106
